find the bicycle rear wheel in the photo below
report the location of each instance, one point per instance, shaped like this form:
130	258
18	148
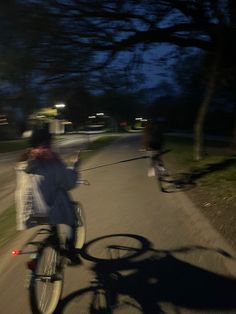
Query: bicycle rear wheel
46	281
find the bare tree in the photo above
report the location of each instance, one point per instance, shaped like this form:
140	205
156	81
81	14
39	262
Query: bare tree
70	37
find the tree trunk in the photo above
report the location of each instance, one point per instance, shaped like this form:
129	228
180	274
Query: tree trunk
208	96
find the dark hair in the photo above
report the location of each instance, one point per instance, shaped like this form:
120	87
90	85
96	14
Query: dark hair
40	136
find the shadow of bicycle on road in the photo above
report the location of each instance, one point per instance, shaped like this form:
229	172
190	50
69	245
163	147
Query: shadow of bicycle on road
184	181
177	182
198	173
140	279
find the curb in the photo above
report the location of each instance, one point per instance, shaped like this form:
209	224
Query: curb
207	231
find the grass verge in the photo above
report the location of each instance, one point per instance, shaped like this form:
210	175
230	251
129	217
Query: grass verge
214	177
10	146
216	170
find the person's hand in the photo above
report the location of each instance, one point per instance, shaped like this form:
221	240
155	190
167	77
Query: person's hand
78	156
77	160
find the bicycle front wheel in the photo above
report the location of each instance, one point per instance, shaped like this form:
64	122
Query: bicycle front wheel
46	281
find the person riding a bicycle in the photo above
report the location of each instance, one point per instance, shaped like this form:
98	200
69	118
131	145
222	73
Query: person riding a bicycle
153	142
153	137
42	185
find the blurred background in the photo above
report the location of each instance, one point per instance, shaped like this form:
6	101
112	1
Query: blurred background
98	72
95	64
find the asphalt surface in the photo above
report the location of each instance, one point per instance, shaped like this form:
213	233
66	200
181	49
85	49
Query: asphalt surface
171	260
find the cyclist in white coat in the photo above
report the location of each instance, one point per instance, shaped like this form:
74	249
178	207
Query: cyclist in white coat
41	190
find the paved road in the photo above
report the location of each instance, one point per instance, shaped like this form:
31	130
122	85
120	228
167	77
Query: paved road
179	265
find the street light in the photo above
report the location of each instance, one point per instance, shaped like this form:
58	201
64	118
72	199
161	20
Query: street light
61	105
59	126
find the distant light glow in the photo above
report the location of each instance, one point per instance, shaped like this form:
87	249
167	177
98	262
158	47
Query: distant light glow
100	114
40	116
138	119
3	120
91	117
27	134
60	105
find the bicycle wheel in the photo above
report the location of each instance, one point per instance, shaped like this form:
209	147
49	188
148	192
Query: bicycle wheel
81	227
46	281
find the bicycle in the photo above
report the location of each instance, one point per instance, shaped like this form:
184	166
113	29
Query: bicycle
168	183
46	264
157	168
160	170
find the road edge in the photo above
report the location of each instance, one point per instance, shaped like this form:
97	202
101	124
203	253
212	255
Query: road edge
207	231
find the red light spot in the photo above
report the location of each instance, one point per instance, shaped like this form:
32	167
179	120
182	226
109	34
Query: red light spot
15	252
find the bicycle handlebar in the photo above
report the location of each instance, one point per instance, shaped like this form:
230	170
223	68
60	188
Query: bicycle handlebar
84	182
